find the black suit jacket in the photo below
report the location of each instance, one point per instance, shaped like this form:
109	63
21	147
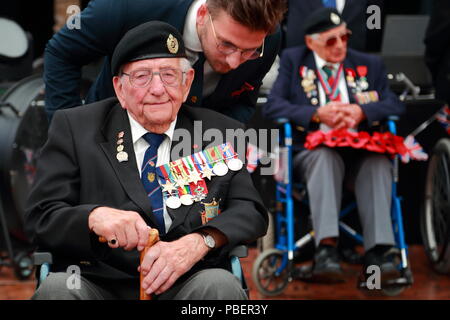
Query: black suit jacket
103	24
78	171
354	14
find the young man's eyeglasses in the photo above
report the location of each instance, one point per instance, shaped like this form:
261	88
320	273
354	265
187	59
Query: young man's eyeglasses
331	41
169	77
228	48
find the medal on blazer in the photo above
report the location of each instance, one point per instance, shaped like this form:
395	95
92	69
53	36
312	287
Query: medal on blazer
211	211
233	162
350	77
362	81
219	167
121	155
169	190
308	78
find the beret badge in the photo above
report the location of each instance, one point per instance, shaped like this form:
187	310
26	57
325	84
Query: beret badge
335	18
172	44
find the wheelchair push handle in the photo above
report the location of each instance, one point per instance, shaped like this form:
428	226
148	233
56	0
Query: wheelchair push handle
153	238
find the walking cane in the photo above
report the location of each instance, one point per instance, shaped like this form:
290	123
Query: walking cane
153	237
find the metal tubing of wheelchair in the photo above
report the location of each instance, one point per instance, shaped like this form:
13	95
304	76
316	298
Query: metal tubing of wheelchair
289	201
398	225
396	211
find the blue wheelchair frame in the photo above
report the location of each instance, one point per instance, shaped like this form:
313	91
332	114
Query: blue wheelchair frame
284	222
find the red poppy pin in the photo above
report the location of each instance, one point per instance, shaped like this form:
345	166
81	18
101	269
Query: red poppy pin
245	87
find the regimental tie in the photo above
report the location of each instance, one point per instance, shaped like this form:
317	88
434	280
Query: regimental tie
331	83
150	180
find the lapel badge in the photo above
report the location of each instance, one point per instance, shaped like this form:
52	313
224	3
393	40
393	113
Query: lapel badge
121	155
172	44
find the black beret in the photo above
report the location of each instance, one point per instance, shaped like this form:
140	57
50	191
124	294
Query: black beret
322	20
153	39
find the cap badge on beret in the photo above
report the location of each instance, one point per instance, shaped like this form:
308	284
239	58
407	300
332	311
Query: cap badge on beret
172	44
335	18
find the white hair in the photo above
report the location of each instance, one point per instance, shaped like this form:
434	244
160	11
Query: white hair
185	65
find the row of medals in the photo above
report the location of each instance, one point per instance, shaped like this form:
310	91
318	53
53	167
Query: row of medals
310	88
173	201
219	169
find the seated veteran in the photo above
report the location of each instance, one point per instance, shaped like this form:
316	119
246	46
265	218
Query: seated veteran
108	170
326	86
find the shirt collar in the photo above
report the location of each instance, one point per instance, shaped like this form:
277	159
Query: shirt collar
190	35
137	131
321	62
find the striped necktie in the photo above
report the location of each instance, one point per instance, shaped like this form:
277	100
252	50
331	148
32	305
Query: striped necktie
329	71
150	180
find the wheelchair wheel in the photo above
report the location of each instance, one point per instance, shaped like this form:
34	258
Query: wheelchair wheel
23	266
393	291
264	273
435	224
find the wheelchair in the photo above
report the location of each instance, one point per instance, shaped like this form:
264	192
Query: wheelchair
274	267
435	222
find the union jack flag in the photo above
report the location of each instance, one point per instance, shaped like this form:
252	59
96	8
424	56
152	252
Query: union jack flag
415	151
443	117
254	154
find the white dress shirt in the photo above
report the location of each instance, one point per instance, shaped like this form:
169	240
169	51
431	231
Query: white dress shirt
140	146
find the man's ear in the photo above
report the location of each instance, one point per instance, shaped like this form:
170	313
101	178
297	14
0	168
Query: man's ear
118	88
188	83
202	14
309	42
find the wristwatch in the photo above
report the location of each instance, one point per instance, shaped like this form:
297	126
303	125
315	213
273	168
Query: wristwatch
208	239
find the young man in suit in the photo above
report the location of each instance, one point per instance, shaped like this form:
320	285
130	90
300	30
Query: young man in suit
231	44
97	177
324	86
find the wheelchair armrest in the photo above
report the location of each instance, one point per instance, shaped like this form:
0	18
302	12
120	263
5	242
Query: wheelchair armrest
240	251
393	118
39	258
43	260
281	121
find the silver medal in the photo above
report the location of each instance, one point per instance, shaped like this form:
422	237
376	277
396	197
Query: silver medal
235	164
173	202
187	199
220	169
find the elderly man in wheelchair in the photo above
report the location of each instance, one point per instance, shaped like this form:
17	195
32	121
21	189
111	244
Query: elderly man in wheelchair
324	87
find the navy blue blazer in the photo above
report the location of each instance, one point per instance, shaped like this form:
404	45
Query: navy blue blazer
287	98
104	22
354	14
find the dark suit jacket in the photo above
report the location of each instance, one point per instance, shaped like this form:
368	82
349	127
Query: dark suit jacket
288	99
354	14
78	171
104	22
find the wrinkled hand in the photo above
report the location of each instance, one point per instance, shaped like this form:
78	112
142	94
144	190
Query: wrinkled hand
328	113
165	262
126	227
348	116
